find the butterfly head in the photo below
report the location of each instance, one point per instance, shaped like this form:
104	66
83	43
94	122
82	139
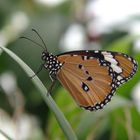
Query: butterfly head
51	62
45	55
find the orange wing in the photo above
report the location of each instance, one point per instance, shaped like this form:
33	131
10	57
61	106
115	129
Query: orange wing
92	77
89	83
123	66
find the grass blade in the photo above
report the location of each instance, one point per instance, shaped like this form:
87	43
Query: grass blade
47	98
5	135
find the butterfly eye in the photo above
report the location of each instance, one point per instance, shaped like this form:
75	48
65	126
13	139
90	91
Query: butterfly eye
43	56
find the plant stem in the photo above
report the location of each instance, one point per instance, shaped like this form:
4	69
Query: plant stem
65	126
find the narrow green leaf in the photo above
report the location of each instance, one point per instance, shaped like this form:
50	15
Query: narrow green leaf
88	120
47	98
5	135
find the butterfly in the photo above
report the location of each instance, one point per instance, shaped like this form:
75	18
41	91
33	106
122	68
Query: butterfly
90	76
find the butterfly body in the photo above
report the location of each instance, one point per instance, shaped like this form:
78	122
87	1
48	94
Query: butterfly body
90	76
51	63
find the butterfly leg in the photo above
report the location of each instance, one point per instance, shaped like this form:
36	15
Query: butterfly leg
51	86
40	68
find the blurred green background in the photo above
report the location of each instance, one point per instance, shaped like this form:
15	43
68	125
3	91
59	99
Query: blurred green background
66	25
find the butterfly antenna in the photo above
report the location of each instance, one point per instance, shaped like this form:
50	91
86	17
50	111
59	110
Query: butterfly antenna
32	41
34	30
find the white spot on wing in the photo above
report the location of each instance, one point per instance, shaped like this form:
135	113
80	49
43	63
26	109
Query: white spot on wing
116	68
85	57
106	53
96	51
85	88
111	60
119	77
109	57
91	57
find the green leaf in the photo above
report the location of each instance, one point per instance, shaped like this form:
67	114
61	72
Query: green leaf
89	121
47	98
5	135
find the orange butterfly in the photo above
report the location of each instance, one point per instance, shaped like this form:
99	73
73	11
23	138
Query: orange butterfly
90	76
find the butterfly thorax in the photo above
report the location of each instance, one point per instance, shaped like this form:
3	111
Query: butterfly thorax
51	63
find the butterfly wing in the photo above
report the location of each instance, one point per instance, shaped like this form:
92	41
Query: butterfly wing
123	66
91	77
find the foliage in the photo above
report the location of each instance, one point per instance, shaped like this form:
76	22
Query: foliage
118	120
